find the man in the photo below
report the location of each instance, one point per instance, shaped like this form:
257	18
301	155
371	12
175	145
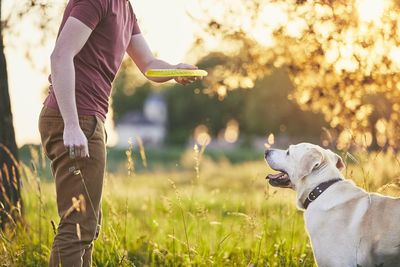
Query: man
92	40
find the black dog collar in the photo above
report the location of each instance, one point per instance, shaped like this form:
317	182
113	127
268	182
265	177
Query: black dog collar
318	191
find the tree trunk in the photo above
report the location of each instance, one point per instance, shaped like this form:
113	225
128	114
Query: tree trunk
10	197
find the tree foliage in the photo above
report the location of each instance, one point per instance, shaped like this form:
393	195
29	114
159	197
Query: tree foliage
343	58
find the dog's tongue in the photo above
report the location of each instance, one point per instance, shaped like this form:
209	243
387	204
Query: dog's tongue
275	176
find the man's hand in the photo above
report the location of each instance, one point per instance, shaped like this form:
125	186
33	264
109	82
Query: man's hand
75	142
186	80
141	54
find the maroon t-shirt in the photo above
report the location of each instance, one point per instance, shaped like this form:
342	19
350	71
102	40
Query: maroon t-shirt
113	23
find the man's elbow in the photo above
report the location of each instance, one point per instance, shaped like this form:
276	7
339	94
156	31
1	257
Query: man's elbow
55	56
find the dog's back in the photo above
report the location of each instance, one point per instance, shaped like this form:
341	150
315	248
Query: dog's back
362	228
380	232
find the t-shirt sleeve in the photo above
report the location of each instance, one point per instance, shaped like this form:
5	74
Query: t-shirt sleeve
136	28
90	12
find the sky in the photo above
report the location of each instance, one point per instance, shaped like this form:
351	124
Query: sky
165	24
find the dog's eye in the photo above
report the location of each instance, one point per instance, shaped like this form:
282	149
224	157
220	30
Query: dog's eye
287	153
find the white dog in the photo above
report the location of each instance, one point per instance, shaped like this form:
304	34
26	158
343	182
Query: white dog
348	227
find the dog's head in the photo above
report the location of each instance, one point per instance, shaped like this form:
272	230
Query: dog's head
301	162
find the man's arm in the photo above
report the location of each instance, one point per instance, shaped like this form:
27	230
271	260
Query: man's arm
70	41
141	54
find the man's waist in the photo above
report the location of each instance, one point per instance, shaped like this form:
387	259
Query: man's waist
84	109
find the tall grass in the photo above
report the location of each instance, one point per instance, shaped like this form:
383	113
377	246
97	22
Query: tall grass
208	214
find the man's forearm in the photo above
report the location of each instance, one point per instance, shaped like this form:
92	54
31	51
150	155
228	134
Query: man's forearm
159	64
63	81
141	54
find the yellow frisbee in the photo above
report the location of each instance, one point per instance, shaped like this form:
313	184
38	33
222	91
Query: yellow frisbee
175	73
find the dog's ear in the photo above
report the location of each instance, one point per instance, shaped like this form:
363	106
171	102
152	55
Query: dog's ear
339	163
309	162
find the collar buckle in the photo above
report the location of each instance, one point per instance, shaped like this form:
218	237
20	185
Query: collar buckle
317	191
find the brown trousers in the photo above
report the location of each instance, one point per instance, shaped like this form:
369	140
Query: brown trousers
78	181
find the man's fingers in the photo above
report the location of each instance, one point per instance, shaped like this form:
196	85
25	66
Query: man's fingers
185	80
86	151
81	149
72	152
76	143
190	80
78	151
186	66
180	80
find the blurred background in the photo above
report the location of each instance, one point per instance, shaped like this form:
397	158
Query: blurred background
280	73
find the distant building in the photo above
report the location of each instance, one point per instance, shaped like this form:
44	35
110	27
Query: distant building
150	125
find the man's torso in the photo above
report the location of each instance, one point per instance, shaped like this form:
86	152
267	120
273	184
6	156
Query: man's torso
113	23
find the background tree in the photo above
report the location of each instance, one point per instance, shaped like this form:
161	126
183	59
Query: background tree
10	22
341	56
9	174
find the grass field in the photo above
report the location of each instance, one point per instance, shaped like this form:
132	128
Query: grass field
205	213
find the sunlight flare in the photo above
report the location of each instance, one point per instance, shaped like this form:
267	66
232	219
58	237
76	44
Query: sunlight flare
371	10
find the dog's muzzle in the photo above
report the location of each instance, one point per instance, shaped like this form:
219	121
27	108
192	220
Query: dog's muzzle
279	180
